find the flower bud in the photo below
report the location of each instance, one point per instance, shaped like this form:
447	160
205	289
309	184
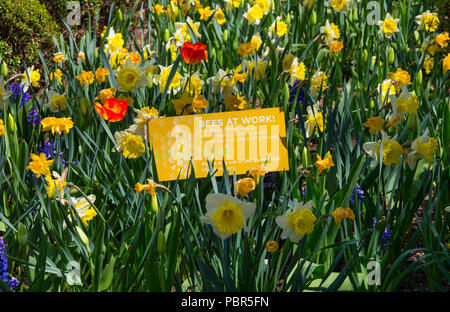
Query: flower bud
161	243
82	236
412	122
96	53
150	80
4	69
225	35
172	7
305	158
11	124
313	18
417	36
120	15
365	56
154	203
166	34
418	79
288	18
286	97
83	106
391	56
22	234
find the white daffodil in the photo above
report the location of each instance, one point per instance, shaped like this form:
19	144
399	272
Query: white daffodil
405	103
56	102
162	78
330	31
182	33
388	27
297	221
226	214
314	119
131	77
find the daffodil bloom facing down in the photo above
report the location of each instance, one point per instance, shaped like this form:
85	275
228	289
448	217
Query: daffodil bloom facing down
40	165
314	119
297	221
57	124
425	147
325	163
57	74
131	145
374	124
388	27
244	186
428	21
226	214
340	213
392	151
256	173
56	185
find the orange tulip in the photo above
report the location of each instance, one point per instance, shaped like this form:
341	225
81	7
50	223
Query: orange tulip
112	109
193	53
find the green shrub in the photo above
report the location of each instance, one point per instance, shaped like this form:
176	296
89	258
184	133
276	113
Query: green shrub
25	27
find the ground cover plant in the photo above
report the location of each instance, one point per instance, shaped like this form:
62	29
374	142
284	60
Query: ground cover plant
364	205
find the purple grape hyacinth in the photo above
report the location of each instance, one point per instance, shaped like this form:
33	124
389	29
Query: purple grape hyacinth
12	282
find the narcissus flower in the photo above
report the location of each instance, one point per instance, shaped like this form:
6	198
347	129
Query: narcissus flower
374	124
150	187
56	102
425	147
205	13
271	246
2	128
256	173
58	57
101	74
163	77
182	31
442	39
405	103
131	77
84	209
318	81
193	53
40	165
400	77
428	21
297	71
297	221
388	27
340	5
392	151
56	185
32	77
112	109
279	27
105	94
145	114
131	145
330	32
56	74
85	78
244	186
235	102
199	103
335	47
340	213
446	63
314	119
387	89
260	71
114	41
325	163
428	64
57	124
254	14
226	214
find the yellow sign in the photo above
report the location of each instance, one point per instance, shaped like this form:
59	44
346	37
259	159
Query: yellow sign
242	139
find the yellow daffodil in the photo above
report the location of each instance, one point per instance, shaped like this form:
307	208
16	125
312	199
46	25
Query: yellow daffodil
150	187
57	124
131	145
279	27
388	27
374	124
428	64
340	5
400	77
318	80
446	63
85	78
325	163
340	213
244	186
56	103
297	71
335	47
30	77
56	185
40	165
392	151
226	214
428	21
297	221
59	57
56	74
425	147
314	119
2	128
405	103
131	77
145	114
330	32
271	246
162	78
101	74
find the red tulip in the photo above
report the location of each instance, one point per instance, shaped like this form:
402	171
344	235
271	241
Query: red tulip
112	109
193	53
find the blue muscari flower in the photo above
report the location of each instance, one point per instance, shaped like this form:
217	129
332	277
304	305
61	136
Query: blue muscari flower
385	237
12	282
17	93
359	193
293	92
49	149
33	116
